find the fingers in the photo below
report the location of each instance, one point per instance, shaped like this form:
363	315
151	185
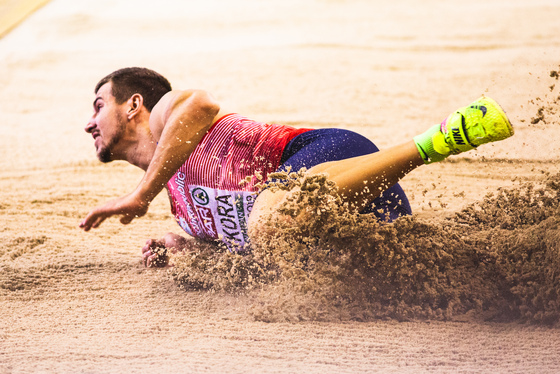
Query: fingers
151	259
98	221
148	246
93	220
147	258
154	254
147	254
127	206
151	244
86	223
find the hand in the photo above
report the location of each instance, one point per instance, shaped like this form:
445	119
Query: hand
128	206
155	252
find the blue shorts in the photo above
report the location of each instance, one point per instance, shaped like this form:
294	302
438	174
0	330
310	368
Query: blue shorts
318	146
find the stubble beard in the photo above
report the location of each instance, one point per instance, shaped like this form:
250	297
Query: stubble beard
105	152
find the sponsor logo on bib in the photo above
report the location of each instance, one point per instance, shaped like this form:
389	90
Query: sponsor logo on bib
200	196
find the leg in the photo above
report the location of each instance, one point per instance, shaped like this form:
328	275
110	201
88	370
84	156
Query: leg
327	145
362	179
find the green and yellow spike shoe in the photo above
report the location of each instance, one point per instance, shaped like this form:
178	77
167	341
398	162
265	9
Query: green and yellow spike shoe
483	121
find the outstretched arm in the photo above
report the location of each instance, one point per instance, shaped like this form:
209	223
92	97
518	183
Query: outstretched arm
178	123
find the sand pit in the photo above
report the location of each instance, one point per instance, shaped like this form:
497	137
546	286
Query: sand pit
13	12
469	284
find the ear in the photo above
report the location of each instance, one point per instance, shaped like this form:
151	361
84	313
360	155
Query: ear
135	103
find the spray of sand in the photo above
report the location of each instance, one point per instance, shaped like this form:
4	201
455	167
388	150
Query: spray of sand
549	104
497	260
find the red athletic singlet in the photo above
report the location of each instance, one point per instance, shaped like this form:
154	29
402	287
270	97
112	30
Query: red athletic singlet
208	198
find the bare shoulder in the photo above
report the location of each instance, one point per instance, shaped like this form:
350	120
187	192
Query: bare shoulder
180	103
161	111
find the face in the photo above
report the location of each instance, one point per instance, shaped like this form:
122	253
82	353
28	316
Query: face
107	125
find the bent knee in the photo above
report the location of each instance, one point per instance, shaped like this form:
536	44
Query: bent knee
266	204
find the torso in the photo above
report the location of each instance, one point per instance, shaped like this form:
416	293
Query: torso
208	197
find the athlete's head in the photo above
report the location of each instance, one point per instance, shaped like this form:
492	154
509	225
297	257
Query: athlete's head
129	81
116	95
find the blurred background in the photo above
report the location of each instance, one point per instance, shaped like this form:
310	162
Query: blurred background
385	69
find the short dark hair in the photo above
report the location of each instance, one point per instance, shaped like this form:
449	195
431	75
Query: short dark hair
129	81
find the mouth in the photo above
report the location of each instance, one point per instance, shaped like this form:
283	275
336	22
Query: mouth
96	140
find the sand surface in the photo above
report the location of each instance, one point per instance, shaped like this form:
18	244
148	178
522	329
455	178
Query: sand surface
13	12
81	302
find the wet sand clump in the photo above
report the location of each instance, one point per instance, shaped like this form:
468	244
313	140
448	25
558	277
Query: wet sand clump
496	260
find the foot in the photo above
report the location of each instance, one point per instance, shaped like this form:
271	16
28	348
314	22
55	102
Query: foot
481	122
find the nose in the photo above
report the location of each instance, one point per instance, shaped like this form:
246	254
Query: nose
90	126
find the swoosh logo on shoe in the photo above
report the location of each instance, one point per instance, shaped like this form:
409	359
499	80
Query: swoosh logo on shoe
423	153
482	108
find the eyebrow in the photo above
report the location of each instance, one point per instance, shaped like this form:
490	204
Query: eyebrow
96	99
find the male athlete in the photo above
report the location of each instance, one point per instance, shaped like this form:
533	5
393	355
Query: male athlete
202	154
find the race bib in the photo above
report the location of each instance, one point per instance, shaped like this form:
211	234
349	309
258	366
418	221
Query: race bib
212	214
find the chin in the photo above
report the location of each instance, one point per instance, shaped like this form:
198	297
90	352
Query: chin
104	155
